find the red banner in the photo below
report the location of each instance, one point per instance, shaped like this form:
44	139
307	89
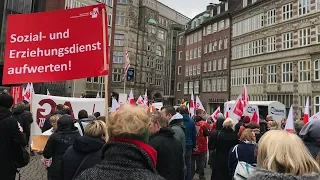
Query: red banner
56	46
16	93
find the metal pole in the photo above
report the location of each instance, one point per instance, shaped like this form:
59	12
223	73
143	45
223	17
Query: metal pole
74	88
128	31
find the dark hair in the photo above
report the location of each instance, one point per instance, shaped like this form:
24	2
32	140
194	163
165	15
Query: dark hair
253	125
82	114
199	111
170	110
59	107
101	118
96	114
178	109
6	101
184	110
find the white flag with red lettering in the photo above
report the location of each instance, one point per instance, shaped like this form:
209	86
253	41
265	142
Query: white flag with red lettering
238	108
290	122
215	113
199	104
191	105
140	100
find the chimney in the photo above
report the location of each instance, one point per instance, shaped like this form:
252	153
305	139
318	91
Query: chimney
210	6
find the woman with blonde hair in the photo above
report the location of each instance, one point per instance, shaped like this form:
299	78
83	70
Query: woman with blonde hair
86	150
274	125
283	156
221	143
127	154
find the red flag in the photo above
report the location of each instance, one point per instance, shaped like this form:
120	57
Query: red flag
306	112
245	97
16	93
215	113
255	117
238	108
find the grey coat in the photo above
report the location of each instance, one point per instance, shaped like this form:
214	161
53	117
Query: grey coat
268	175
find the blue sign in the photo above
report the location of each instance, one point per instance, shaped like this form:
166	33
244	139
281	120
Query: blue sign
279	112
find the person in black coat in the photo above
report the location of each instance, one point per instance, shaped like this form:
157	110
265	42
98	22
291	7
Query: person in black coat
170	162
310	134
221	143
58	143
24	117
11	138
47	125
85	152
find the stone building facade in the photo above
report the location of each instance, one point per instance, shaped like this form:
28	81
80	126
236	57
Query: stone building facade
275	52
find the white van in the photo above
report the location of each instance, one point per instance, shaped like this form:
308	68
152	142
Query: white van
274	108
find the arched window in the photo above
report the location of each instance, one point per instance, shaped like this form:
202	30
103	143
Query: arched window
160	51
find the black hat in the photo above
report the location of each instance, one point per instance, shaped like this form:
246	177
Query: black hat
6	101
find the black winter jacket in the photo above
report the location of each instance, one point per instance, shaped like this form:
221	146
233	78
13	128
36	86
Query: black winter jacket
47	125
170	162
25	119
124	159
86	151
9	134
58	143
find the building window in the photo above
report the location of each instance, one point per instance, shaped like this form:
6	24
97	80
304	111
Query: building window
179	70
204	31
219	64
257	75
219	84
204	85
196	87
194	70
195	37
185	88
287	40
122	1
271	16
199	36
180	40
213	85
188	40
205	49
209	66
221	25
317	7
116	74
191	54
317	70
208	85
304	71
215	46
190	71
225	43
150	62
109	20
109	2
287	72
318	32
227	23
199	51
186	71
271	44
204	66
317	104
191	87
149	78
180	55
257	47
220	44
179	86
225	63
210	47
199	69
117	57
158	80
159	51
304	37
224	84
272	74
214	65
118	39
246	78
89	79
187	55
161	34
159	65
152	29
287	12
304	7
214	27
120	18
195	50
208	29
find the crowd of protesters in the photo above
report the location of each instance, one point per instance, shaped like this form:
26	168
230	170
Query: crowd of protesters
166	144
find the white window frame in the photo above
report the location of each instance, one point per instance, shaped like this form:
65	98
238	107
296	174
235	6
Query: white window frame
225	43
316	104
205	49
120	18
215	46
289	72
109	20
180	55
209	85
287	43
210	47
205	66
219	64
221	25
227	23
305	8
271	44
318	31
204	85
225	63
190	71
198	69
196	87
186	69
194	70
219	85
119	39
191	90
179	70
304	37
317	70
199	51
272	74
213	85
224	84
180	40
271	16
287	11
179	86
304	70
208	29
209	66
317	5
214	65
214	27
220	44
185	88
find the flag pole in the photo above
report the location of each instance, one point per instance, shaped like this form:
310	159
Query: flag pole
74	88
106	79
126	73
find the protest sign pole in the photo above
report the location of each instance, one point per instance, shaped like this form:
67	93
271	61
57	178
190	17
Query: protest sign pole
106	79
74	88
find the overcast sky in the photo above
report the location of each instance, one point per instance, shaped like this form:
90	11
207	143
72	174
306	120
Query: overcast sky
190	8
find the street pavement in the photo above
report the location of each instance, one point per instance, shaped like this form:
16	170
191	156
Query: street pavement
36	171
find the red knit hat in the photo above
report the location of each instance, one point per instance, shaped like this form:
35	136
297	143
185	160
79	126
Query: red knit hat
246	119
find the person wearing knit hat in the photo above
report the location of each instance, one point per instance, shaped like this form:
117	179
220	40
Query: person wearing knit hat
246	121
11	140
126	155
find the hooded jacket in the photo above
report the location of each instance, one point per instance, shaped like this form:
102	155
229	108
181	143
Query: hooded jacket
310	133
262	174
25	119
9	135
124	159
190	130
58	143
83	147
176	124
170	162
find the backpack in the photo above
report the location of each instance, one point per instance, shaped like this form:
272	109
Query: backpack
243	169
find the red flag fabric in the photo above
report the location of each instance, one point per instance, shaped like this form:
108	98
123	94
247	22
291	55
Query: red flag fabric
245	97
238	108
255	117
16	93
306	112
